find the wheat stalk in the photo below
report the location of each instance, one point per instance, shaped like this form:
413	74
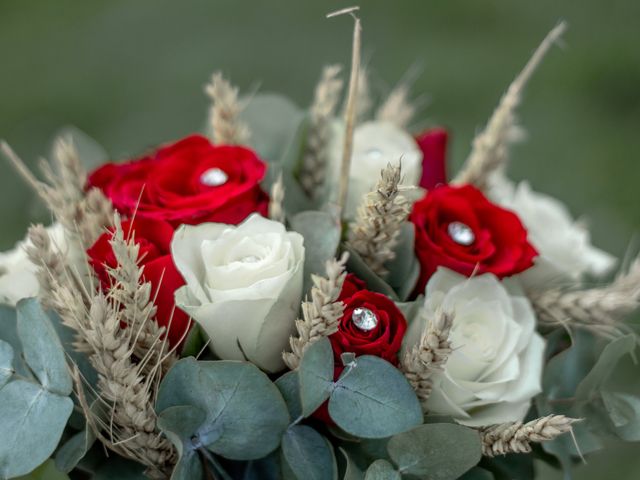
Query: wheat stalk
133	296
397	108
83	214
374	234
129	361
276	201
516	437
126	422
364	103
320	316
600	310
490	147
429	356
316	150
224	116
350	111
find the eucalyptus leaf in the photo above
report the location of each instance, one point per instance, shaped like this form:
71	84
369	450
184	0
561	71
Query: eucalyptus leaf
188	467
443	451
295	199
373	399
308	454
404	269
245	414
179	424
69	455
382	470
357	265
91	153
273	120
42	348
351	472
67	338
6	362
321	231
316	375
46	471
605	365
564	371
289	387
9	333
411	310
32	420
624	412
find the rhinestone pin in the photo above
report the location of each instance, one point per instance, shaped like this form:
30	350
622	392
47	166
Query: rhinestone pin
374	153
461	233
364	319
214	177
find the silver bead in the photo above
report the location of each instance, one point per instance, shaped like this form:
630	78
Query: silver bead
364	319
461	233
373	153
214	177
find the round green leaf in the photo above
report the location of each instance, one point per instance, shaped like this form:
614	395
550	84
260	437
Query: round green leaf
404	269
74	450
624	413
42	348
289	387
245	415
6	362
358	266
321	232
316	375
605	365
351	472
374	400
273	120
32	420
443	451
179	424
382	470
308	454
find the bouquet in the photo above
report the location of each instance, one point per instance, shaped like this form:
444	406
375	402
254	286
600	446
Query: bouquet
306	293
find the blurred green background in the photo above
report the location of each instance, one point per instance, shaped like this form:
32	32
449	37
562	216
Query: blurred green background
130	74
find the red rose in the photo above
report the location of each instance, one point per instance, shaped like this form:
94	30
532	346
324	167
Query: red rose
433	144
459	228
383	340
190	181
371	323
154	240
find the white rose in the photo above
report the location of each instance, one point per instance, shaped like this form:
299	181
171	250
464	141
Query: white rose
375	144
243	286
18	278
564	245
496	364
